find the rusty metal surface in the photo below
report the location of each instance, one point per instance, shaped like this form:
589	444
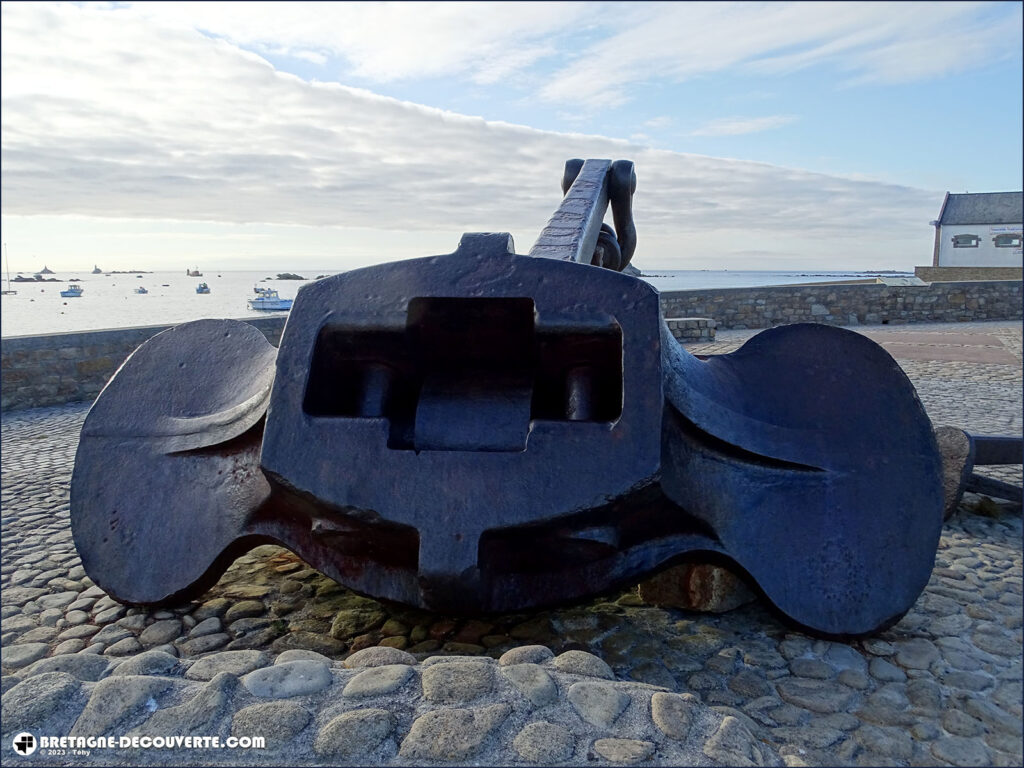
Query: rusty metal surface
809	454
575	231
997	449
486	431
167	468
963	451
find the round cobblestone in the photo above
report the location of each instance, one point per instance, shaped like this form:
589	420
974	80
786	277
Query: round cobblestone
354	733
624	750
543	742
952	664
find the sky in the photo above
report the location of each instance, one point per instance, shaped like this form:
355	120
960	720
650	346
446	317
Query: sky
337	135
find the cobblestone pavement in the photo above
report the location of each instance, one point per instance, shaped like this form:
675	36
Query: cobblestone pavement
277	650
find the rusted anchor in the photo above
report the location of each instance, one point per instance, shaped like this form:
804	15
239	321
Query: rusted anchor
486	431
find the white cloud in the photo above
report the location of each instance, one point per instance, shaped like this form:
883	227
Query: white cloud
613	46
735	126
121	116
906	42
391	41
889	42
662	121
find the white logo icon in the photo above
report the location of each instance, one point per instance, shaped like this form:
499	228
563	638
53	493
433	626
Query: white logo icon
25	744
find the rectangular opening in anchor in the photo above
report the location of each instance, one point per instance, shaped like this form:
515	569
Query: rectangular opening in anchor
476	359
467	374
359	373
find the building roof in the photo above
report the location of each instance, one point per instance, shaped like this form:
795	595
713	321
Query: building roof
982	208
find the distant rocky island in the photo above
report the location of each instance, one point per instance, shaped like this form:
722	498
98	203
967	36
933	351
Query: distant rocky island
285	276
37	278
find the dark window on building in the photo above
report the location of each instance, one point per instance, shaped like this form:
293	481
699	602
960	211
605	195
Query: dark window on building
966	241
1011	240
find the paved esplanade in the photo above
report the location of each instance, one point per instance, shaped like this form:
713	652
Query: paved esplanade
269	651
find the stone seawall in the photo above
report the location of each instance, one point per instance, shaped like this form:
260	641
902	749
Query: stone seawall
870	304
69	367
959	274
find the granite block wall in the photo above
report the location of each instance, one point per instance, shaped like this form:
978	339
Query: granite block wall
688	330
957	274
68	367
849	304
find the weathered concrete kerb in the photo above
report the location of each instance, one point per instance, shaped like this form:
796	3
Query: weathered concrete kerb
277	650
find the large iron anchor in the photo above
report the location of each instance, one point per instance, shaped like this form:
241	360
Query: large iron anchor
486	431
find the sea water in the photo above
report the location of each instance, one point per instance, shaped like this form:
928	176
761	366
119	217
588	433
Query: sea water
110	301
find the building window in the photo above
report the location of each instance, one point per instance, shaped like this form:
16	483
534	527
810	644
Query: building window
966	241
1010	240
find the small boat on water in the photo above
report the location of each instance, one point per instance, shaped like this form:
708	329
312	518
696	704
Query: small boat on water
72	291
268	300
141	289
202	288
8	292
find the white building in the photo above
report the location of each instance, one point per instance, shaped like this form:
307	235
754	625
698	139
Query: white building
979	230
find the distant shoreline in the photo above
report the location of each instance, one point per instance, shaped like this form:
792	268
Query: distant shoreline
797	272
322	272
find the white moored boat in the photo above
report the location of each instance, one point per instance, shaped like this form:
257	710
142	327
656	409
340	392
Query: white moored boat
267	299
